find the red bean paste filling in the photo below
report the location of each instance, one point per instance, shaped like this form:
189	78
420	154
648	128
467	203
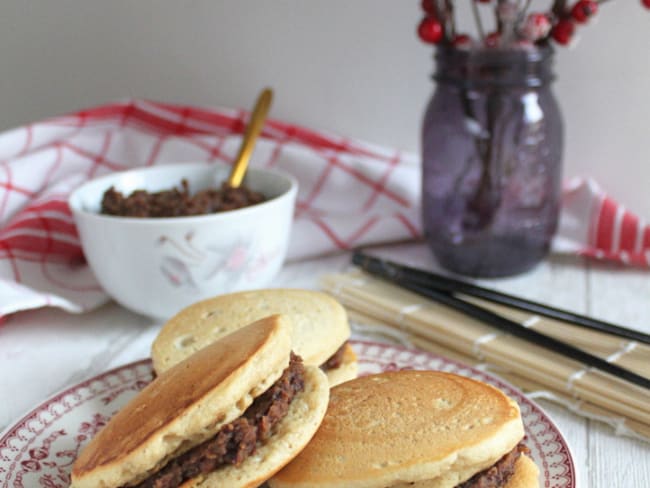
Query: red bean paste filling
335	360
239	439
178	202
498	474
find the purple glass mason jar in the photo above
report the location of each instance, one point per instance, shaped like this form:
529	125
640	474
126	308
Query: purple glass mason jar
492	141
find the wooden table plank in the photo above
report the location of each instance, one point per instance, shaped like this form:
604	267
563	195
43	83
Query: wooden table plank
621	296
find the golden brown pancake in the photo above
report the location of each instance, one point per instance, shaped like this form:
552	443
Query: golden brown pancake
409	428
320	326
190	402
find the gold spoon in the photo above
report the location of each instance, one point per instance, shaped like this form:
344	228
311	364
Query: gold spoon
250	136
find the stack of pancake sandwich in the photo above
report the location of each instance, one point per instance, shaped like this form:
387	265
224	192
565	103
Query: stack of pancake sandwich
422	429
259	388
320	328
230	415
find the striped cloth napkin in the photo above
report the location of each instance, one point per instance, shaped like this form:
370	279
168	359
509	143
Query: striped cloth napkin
351	193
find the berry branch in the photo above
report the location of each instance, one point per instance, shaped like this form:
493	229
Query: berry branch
515	25
479	22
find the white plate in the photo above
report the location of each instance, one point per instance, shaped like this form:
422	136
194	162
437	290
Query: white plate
39	449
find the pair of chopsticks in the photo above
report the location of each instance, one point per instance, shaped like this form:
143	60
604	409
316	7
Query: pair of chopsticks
442	289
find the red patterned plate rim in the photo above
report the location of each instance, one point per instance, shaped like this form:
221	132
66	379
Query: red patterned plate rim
23	459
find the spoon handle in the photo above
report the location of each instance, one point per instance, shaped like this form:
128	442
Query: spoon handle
258	116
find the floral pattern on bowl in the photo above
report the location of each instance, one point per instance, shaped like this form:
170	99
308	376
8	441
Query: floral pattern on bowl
184	264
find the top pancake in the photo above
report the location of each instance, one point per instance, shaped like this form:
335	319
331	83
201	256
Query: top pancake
403	427
186	405
320	324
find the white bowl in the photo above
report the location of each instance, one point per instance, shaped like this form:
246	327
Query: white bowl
157	266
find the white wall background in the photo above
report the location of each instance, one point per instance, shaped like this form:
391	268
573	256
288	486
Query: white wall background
353	67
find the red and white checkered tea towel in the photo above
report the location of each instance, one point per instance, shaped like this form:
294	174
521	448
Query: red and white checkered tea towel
351	193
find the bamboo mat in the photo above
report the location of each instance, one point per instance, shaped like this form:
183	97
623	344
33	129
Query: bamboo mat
438	329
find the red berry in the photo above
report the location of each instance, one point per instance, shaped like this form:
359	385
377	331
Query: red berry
563	31
584	10
428	7
645	3
493	39
536	26
430	30
462	40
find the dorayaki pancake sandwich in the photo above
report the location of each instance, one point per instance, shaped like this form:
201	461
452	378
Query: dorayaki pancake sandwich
414	429
230	415
320	328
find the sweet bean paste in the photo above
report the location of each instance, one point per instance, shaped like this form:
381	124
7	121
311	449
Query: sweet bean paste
336	359
178	202
499	473
237	440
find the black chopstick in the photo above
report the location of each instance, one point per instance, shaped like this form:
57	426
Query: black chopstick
515	329
427	279
537	338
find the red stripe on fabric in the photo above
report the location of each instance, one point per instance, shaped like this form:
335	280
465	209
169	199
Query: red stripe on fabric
40	245
364	179
77	259
109	111
181	126
160	124
59	248
319	141
54	205
646	238
306	209
91	156
9	254
369	224
155	151
51	172
410	226
329	233
310	138
132	113
306	203
28	141
126	114
5	195
223	123
605	229
380	186
277	150
11	187
339	242
99	159
42	223
213	151
219	119
275	154
18	189
82	120
629	227
77	119
152	121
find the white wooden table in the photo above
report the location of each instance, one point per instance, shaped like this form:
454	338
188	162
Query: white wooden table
44	350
